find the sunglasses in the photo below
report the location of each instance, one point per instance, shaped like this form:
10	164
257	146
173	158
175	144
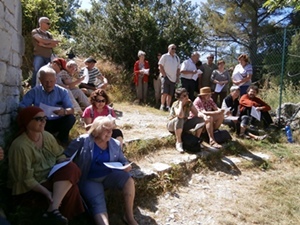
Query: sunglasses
173	48
40	118
48	24
99	101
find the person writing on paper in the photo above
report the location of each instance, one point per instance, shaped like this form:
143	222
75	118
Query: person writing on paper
93	78
213	115
141	76
100	107
96	148
31	156
233	119
179	117
190	74
219	79
249	102
56	104
242	74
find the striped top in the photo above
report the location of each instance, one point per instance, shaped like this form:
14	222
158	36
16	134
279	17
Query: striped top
93	73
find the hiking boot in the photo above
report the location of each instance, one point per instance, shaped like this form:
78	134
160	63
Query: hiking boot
179	147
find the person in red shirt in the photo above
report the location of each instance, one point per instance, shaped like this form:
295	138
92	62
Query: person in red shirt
249	100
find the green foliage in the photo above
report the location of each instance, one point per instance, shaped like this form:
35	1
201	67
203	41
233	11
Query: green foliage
293	62
116	30
275	4
239	23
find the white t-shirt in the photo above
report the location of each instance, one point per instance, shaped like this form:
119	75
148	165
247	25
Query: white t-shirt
171	64
188	65
241	72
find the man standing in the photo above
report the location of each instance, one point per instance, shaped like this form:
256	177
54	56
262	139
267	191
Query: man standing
43	43
189	74
93	78
55	101
169	65
207	69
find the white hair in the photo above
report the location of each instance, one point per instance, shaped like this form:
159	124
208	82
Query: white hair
71	63
141	53
42	19
47	70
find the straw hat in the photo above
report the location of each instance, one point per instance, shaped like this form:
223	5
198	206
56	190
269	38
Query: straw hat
205	91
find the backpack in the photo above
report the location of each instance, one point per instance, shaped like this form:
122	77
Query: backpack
222	136
190	143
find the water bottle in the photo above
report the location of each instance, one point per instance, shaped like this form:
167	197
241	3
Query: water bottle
289	134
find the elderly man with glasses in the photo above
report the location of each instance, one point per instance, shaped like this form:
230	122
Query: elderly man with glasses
43	43
169	67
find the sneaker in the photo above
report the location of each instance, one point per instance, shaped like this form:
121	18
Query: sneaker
179	147
260	138
168	109
244	136
162	108
55	217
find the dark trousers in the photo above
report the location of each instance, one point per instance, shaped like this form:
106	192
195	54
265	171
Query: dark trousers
62	126
221	96
189	85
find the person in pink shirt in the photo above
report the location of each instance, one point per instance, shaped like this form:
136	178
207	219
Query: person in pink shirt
100	107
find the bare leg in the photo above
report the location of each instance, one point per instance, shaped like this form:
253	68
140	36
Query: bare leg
169	99
60	189
129	192
218	120
209	128
163	99
178	133
101	219
199	132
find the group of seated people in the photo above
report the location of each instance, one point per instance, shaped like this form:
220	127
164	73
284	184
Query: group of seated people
203	115
45	118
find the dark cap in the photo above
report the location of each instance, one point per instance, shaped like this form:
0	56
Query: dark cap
90	60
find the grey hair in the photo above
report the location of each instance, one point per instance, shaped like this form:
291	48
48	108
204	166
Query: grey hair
101	123
71	63
42	19
195	53
171	45
141	53
47	70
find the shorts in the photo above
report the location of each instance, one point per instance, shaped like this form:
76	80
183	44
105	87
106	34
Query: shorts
167	86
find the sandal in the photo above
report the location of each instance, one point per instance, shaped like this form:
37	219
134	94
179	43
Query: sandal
55	217
260	138
214	144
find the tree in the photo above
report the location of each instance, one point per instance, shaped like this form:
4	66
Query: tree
242	22
277	4
118	29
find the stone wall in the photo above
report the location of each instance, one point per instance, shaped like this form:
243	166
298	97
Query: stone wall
11	51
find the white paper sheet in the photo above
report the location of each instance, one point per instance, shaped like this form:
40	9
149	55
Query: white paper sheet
86	76
62	164
196	75
232	118
116	165
48	110
146	71
219	88
255	113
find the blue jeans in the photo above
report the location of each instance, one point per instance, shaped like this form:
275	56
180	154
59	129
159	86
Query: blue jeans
38	62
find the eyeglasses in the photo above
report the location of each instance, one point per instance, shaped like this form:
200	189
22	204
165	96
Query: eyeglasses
99	101
40	118
210	57
48	23
173	48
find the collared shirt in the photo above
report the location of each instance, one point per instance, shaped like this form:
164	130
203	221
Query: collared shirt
58	97
188	65
171	64
208	105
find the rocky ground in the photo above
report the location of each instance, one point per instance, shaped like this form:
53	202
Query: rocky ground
212	196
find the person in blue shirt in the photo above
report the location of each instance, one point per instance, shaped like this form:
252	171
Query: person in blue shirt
61	118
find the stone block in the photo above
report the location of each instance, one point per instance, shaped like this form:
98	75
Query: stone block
2	107
10	5
13	76
5	45
16	60
1	12
10	19
18	44
5	121
3	71
13	104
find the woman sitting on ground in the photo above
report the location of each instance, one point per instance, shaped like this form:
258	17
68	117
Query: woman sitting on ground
31	157
94	149
179	121
99	107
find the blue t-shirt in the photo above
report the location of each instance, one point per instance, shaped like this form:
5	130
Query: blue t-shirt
98	169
